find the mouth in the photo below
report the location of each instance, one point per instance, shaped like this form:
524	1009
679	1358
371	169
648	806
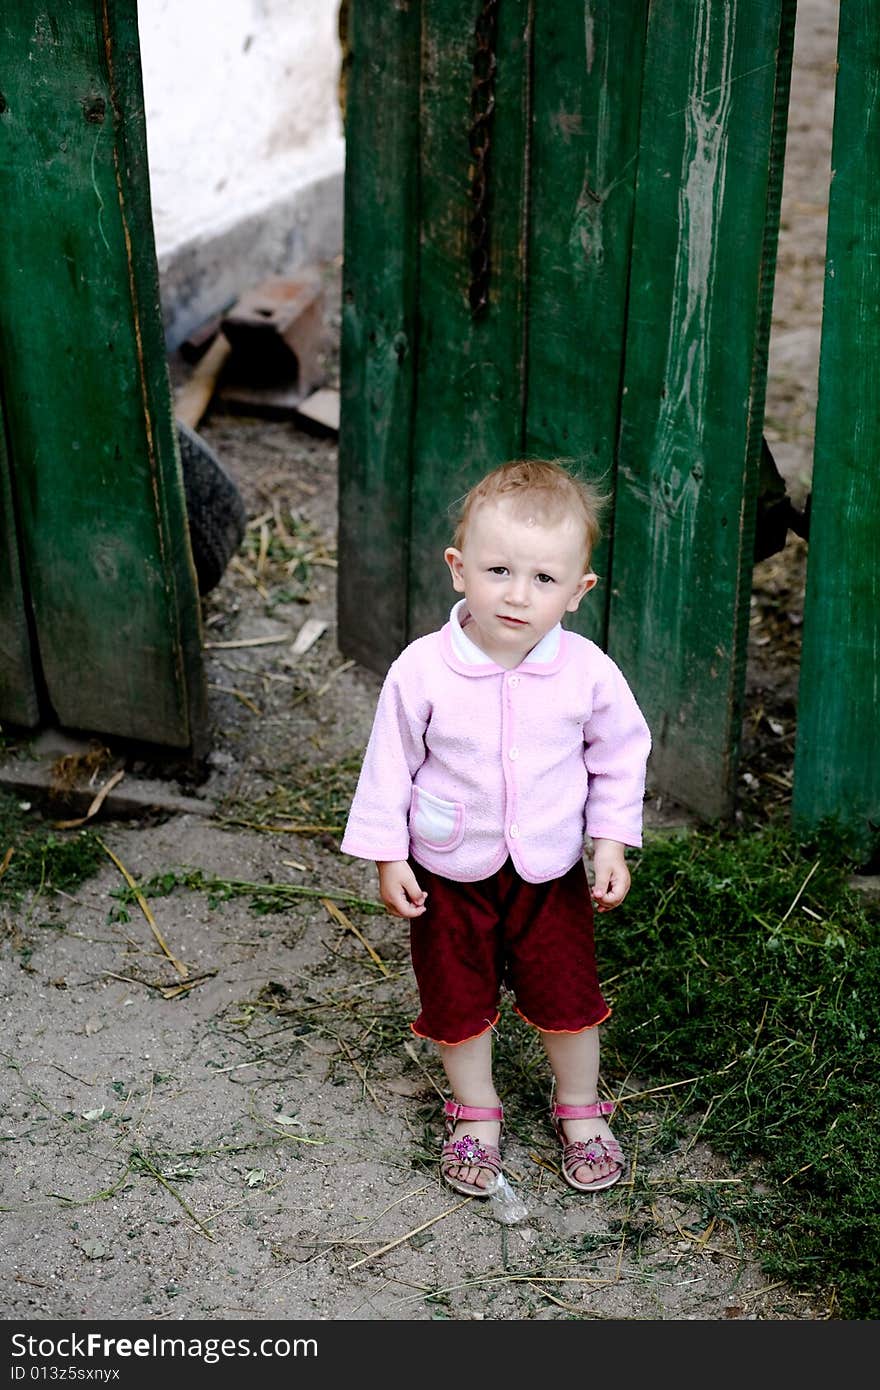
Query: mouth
514	622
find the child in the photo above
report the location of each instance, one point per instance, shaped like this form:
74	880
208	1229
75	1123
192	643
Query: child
498	744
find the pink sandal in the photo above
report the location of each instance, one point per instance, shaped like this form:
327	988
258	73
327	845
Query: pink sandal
597	1150
467	1151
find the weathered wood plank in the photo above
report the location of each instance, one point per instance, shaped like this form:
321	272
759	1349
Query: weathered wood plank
584	153
712	123
837	758
103	526
470	369
378	334
18	696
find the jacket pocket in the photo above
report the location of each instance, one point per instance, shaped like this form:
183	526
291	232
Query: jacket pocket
434	822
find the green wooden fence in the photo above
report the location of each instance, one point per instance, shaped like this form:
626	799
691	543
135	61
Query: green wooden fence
560	239
99	611
837	761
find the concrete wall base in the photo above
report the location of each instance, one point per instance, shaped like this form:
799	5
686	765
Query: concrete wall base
202	277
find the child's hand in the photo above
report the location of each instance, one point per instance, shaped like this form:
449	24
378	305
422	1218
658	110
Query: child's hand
610	874
399	889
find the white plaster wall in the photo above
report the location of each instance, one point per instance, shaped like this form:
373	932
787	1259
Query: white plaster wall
244	141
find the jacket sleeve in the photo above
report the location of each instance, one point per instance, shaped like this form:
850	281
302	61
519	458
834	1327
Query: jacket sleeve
378	821
617	744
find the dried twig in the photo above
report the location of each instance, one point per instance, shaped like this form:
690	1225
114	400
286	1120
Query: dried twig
671	1085
295	1138
95	805
411	1053
568	1307
322	690
281	829
513	1279
335	1242
346	666
346	922
279	523
264	549
749	1294
247	573
167	991
239	695
145	909
383	1249
360	1071
795	900
251	642
699	1129
675	1180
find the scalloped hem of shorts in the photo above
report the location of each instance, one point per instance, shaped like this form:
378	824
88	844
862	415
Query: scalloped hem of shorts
585	1029
444	1043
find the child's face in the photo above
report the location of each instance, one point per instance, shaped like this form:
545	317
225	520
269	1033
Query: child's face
519	575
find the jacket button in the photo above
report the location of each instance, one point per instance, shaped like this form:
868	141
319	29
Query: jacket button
513	754
514	681
513	831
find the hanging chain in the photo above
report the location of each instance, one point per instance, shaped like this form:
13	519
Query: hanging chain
480	139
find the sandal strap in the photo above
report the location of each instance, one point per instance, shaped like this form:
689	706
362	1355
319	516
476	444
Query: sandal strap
455	1111
582	1112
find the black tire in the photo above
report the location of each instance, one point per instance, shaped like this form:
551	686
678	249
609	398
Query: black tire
215	510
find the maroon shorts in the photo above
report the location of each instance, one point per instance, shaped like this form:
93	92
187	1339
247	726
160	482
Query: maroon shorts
535	938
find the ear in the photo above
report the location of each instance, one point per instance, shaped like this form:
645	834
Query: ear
454	561
587	582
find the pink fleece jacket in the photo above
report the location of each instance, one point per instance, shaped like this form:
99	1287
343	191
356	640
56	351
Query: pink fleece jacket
468	763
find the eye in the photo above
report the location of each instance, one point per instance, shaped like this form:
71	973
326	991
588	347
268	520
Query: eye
498	569
545	579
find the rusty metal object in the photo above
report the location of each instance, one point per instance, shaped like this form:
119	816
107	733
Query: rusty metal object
276	335
480	139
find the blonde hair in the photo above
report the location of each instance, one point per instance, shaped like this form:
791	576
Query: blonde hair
540	486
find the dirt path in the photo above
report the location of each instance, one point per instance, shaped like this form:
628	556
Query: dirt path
261	1142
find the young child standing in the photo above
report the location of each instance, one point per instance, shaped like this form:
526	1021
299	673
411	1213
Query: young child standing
498	744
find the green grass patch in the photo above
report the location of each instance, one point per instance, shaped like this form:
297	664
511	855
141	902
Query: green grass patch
42	859
313	797
285	553
263	898
745	961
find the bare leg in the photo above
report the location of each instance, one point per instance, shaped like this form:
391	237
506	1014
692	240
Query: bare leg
574	1058
468	1068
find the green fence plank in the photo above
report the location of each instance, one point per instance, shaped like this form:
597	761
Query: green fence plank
837	761
584	153
470	369
92	445
378	337
690	428
18	696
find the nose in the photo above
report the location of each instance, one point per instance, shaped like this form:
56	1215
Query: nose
518	590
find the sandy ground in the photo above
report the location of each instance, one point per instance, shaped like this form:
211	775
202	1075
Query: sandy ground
260	1141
